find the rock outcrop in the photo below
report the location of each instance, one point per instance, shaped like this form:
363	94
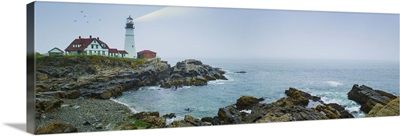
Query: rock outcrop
56	127
295	107
368	97
192	72
142	120
48	105
390	109
104	77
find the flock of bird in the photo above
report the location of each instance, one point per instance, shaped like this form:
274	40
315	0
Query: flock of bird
84	16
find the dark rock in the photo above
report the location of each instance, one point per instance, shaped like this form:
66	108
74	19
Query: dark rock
56	127
142	115
241	72
229	115
295	97
74	94
192	120
48	105
169	116
191	72
342	112
246	102
86	123
368	98
207	119
99	126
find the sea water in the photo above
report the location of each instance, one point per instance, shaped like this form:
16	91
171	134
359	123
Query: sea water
330	80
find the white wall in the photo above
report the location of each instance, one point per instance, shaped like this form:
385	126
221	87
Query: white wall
99	49
129	41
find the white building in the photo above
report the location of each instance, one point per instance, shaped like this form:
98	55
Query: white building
130	38
92	46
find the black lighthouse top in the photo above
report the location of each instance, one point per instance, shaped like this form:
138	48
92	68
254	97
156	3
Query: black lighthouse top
129	22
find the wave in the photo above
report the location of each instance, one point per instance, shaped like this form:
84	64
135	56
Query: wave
130	108
177	118
333	83
219	82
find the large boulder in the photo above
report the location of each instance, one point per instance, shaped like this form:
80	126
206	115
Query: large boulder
192	72
56	127
157	122
368	97
229	115
246	102
390	109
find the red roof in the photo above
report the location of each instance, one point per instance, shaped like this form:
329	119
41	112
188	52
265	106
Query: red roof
122	52
84	42
112	50
146	52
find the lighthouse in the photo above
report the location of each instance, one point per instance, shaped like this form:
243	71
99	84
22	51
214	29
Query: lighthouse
130	38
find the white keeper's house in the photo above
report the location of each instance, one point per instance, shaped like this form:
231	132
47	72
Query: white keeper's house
93	46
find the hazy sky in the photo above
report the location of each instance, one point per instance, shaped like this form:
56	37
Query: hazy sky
187	32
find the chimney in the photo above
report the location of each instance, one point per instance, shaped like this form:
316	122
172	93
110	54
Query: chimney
90	36
98	38
79	37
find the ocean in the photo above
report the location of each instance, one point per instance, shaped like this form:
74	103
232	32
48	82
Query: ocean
330	80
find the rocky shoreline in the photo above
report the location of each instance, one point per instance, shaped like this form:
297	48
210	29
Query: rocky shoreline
73	95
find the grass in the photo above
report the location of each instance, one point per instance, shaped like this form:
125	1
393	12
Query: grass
137	62
38	55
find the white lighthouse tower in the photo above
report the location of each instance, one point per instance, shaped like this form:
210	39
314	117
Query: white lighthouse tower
130	38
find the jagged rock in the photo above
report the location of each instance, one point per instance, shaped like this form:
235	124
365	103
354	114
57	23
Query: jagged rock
192	120
48	105
390	109
157	122
73	94
297	97
229	115
192	72
142	115
246	102
340	110
56	127
271	117
41	76
207	119
169	116
368	97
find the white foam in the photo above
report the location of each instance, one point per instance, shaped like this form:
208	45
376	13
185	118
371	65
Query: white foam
130	108
169	121
246	111
333	83
219	82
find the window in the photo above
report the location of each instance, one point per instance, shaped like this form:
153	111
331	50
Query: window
92	46
90	52
104	52
97	46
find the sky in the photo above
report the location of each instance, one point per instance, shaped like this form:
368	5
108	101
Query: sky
190	32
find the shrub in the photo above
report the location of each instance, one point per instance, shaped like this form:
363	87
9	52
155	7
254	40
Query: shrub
137	62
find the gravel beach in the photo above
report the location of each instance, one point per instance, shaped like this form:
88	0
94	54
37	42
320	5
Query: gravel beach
86	114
